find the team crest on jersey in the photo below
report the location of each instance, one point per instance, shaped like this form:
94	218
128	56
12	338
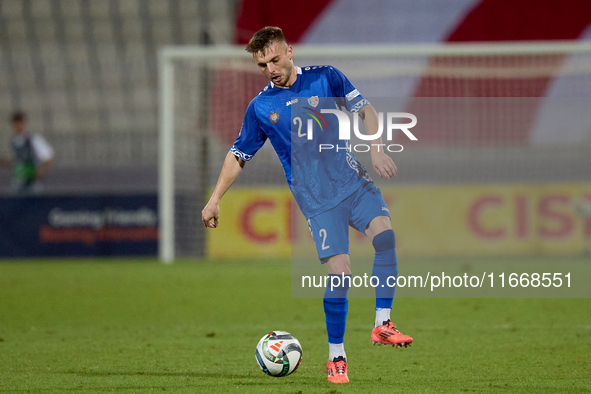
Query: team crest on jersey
274	117
313	101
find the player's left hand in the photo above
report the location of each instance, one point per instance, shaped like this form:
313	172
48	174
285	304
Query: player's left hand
383	165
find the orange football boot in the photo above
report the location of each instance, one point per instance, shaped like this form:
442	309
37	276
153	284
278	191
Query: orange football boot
387	334
336	370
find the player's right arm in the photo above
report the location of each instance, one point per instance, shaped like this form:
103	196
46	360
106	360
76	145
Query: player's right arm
249	141
231	169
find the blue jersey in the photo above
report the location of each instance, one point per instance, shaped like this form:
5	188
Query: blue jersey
319	180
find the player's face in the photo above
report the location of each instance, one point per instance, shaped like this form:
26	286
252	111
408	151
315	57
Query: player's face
276	64
18	126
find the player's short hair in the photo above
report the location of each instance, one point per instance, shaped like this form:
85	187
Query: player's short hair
18	116
264	38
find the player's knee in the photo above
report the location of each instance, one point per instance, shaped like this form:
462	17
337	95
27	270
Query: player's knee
338	264
385	259
384	241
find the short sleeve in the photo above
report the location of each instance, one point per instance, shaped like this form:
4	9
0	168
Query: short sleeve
43	151
251	137
343	88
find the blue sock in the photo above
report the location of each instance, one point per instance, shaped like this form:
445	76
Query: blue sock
385	265
336	306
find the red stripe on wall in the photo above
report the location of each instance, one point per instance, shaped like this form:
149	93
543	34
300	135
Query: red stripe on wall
509	20
293	17
503	20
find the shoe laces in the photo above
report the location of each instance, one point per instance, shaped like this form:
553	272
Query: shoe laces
339	365
393	327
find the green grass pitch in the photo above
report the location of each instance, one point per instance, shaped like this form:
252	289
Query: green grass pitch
135	326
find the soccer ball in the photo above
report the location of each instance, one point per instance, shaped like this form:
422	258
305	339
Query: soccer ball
278	353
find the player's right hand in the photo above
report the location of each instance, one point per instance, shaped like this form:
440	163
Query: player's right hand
211	211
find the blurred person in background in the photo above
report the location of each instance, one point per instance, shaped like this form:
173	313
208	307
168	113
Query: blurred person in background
32	157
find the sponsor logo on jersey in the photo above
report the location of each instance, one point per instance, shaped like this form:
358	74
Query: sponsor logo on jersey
274	116
291	102
313	101
351	95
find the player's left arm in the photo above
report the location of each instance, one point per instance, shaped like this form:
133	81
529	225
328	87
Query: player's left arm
45	155
350	97
381	162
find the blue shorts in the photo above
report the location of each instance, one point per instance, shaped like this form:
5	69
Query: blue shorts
330	229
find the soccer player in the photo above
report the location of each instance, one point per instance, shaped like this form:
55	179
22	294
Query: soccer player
332	189
32	157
